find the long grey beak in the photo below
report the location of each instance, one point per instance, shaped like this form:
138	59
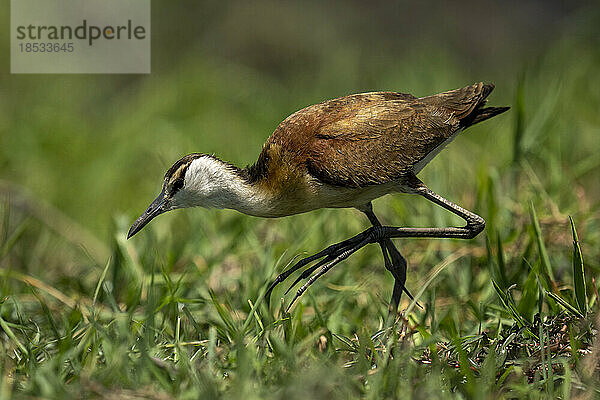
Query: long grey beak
156	208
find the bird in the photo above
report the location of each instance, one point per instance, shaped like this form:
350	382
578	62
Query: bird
340	153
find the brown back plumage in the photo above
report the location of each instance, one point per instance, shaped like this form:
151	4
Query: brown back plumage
370	138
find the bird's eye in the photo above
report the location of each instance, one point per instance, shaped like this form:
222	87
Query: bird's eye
177	185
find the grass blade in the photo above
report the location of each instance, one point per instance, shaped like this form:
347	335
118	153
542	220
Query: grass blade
546	269
9	332
13	238
501	262
565	304
529	296
225	315
578	272
509	306
432	275
507	303
519	121
100	281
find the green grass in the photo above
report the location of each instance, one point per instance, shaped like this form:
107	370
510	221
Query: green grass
174	315
177	311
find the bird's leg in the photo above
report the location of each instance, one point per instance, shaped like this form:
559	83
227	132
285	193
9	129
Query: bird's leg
333	254
359	241
329	254
333	249
475	223
397	265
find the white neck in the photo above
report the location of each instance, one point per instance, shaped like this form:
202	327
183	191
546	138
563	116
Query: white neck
211	183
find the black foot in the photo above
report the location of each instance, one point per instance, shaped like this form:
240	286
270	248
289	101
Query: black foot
397	265
328	258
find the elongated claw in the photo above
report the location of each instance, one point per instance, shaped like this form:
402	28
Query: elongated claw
333	249
307	272
366	236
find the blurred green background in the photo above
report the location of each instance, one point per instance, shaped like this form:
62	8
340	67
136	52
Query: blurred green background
81	156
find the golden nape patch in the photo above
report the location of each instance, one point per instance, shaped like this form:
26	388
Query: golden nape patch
284	180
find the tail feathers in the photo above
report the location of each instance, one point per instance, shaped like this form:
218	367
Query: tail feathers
467	103
486	90
481	114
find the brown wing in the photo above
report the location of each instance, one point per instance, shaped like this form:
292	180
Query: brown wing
379	144
369	138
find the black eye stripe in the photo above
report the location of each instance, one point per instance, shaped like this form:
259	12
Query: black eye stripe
177	180
177	185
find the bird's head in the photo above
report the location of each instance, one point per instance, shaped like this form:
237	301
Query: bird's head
194	180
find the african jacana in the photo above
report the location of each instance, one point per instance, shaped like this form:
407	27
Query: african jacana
343	152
